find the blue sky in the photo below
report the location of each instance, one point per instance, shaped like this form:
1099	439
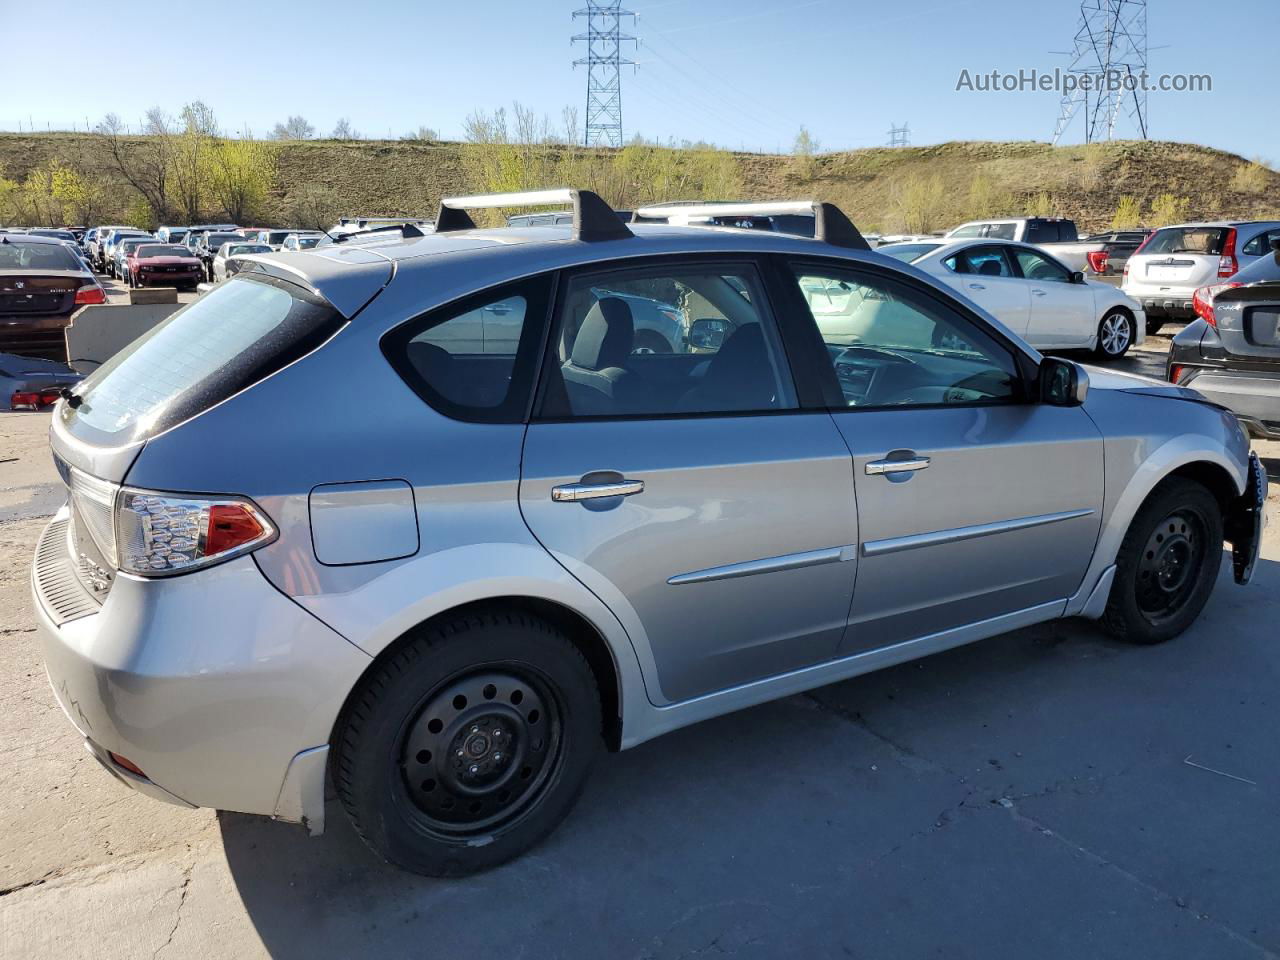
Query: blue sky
743	74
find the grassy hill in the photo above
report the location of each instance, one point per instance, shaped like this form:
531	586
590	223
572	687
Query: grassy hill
884	189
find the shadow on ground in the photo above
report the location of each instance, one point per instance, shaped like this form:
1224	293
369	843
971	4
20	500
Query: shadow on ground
1029	795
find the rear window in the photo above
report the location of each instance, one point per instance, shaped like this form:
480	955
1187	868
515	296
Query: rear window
237	334
1195	240
19	255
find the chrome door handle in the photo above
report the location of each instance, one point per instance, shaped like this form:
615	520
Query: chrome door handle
571	492
977	286
1038	293
878	468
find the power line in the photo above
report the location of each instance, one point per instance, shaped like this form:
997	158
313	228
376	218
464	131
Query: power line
604	61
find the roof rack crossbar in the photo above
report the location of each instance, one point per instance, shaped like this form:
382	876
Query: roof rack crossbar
830	223
406	230
593	219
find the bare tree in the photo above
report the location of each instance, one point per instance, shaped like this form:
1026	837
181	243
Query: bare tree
145	163
422	133
294	128
343	130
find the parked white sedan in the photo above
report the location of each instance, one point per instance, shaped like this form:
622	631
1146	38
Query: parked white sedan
1031	293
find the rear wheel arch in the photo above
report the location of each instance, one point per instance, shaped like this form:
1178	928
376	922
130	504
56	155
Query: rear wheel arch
585	636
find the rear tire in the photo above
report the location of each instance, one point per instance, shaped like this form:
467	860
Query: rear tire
1167	564
1115	335
469	744
1154	326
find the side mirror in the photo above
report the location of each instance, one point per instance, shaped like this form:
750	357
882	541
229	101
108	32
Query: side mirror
1062	383
1077	276
707	334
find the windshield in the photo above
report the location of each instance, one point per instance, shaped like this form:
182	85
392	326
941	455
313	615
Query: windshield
17	255
162	250
235	248
237	334
1196	240
56	234
908	252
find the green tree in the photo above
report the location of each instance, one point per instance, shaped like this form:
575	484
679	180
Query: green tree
803	152
1128	214
82	199
1168	209
193	150
918	203
1041	205
244	173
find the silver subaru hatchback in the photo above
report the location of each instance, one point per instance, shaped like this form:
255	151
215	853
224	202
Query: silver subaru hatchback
418	516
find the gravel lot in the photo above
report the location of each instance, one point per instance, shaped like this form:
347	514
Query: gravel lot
1046	793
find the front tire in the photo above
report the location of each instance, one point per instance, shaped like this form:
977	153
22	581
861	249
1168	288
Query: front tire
1115	335
1167	564
469	744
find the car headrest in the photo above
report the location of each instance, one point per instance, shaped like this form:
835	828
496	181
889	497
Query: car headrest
990	268
606	337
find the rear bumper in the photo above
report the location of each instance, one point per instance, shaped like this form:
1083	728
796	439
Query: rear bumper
1245	521
210	683
1164	302
1253	396
43	336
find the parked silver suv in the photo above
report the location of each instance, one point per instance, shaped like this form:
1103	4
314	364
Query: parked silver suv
314	531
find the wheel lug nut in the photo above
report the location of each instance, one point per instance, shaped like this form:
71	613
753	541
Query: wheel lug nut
473	770
497	734
497	758
475	729
462	753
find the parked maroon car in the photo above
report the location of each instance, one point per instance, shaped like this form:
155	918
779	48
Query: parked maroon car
164	265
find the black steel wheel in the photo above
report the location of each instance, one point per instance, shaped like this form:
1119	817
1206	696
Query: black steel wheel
1167	563
481	750
468	742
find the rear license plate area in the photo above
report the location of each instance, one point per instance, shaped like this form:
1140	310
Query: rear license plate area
1262	324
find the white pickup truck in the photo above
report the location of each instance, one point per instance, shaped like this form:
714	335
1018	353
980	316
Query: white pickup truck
1055	235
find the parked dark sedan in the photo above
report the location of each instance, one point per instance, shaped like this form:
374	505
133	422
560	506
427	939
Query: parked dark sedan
1232	353
42	282
164	265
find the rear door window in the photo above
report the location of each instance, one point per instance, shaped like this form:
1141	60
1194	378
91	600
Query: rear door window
234	336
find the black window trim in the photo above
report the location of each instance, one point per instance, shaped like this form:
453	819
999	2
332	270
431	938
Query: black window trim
1044	255
539	291
808	400
822	369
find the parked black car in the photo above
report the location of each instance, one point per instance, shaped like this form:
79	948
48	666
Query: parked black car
208	245
1232	353
42	282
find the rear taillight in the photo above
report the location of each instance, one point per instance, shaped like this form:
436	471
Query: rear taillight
33	399
1227	263
1175	373
160	534
90	294
1097	261
1202	301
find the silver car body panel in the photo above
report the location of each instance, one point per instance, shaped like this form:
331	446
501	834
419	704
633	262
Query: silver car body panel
746	514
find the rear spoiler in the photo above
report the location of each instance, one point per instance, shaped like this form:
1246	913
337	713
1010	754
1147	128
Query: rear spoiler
830	223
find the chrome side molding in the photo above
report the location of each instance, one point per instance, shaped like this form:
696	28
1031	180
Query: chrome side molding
879	548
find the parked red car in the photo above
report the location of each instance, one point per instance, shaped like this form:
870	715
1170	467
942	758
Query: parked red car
164	265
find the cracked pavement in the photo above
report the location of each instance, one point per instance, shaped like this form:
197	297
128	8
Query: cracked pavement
1027	796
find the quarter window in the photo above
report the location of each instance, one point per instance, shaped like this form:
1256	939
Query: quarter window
475	359
890	346
1260	245
687	339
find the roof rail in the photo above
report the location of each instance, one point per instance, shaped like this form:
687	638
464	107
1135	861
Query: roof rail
593	219
830	223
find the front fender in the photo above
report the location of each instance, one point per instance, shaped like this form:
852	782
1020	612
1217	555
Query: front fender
1135	466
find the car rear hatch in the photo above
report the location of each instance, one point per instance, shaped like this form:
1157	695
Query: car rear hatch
1177	260
237	335
1248	321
